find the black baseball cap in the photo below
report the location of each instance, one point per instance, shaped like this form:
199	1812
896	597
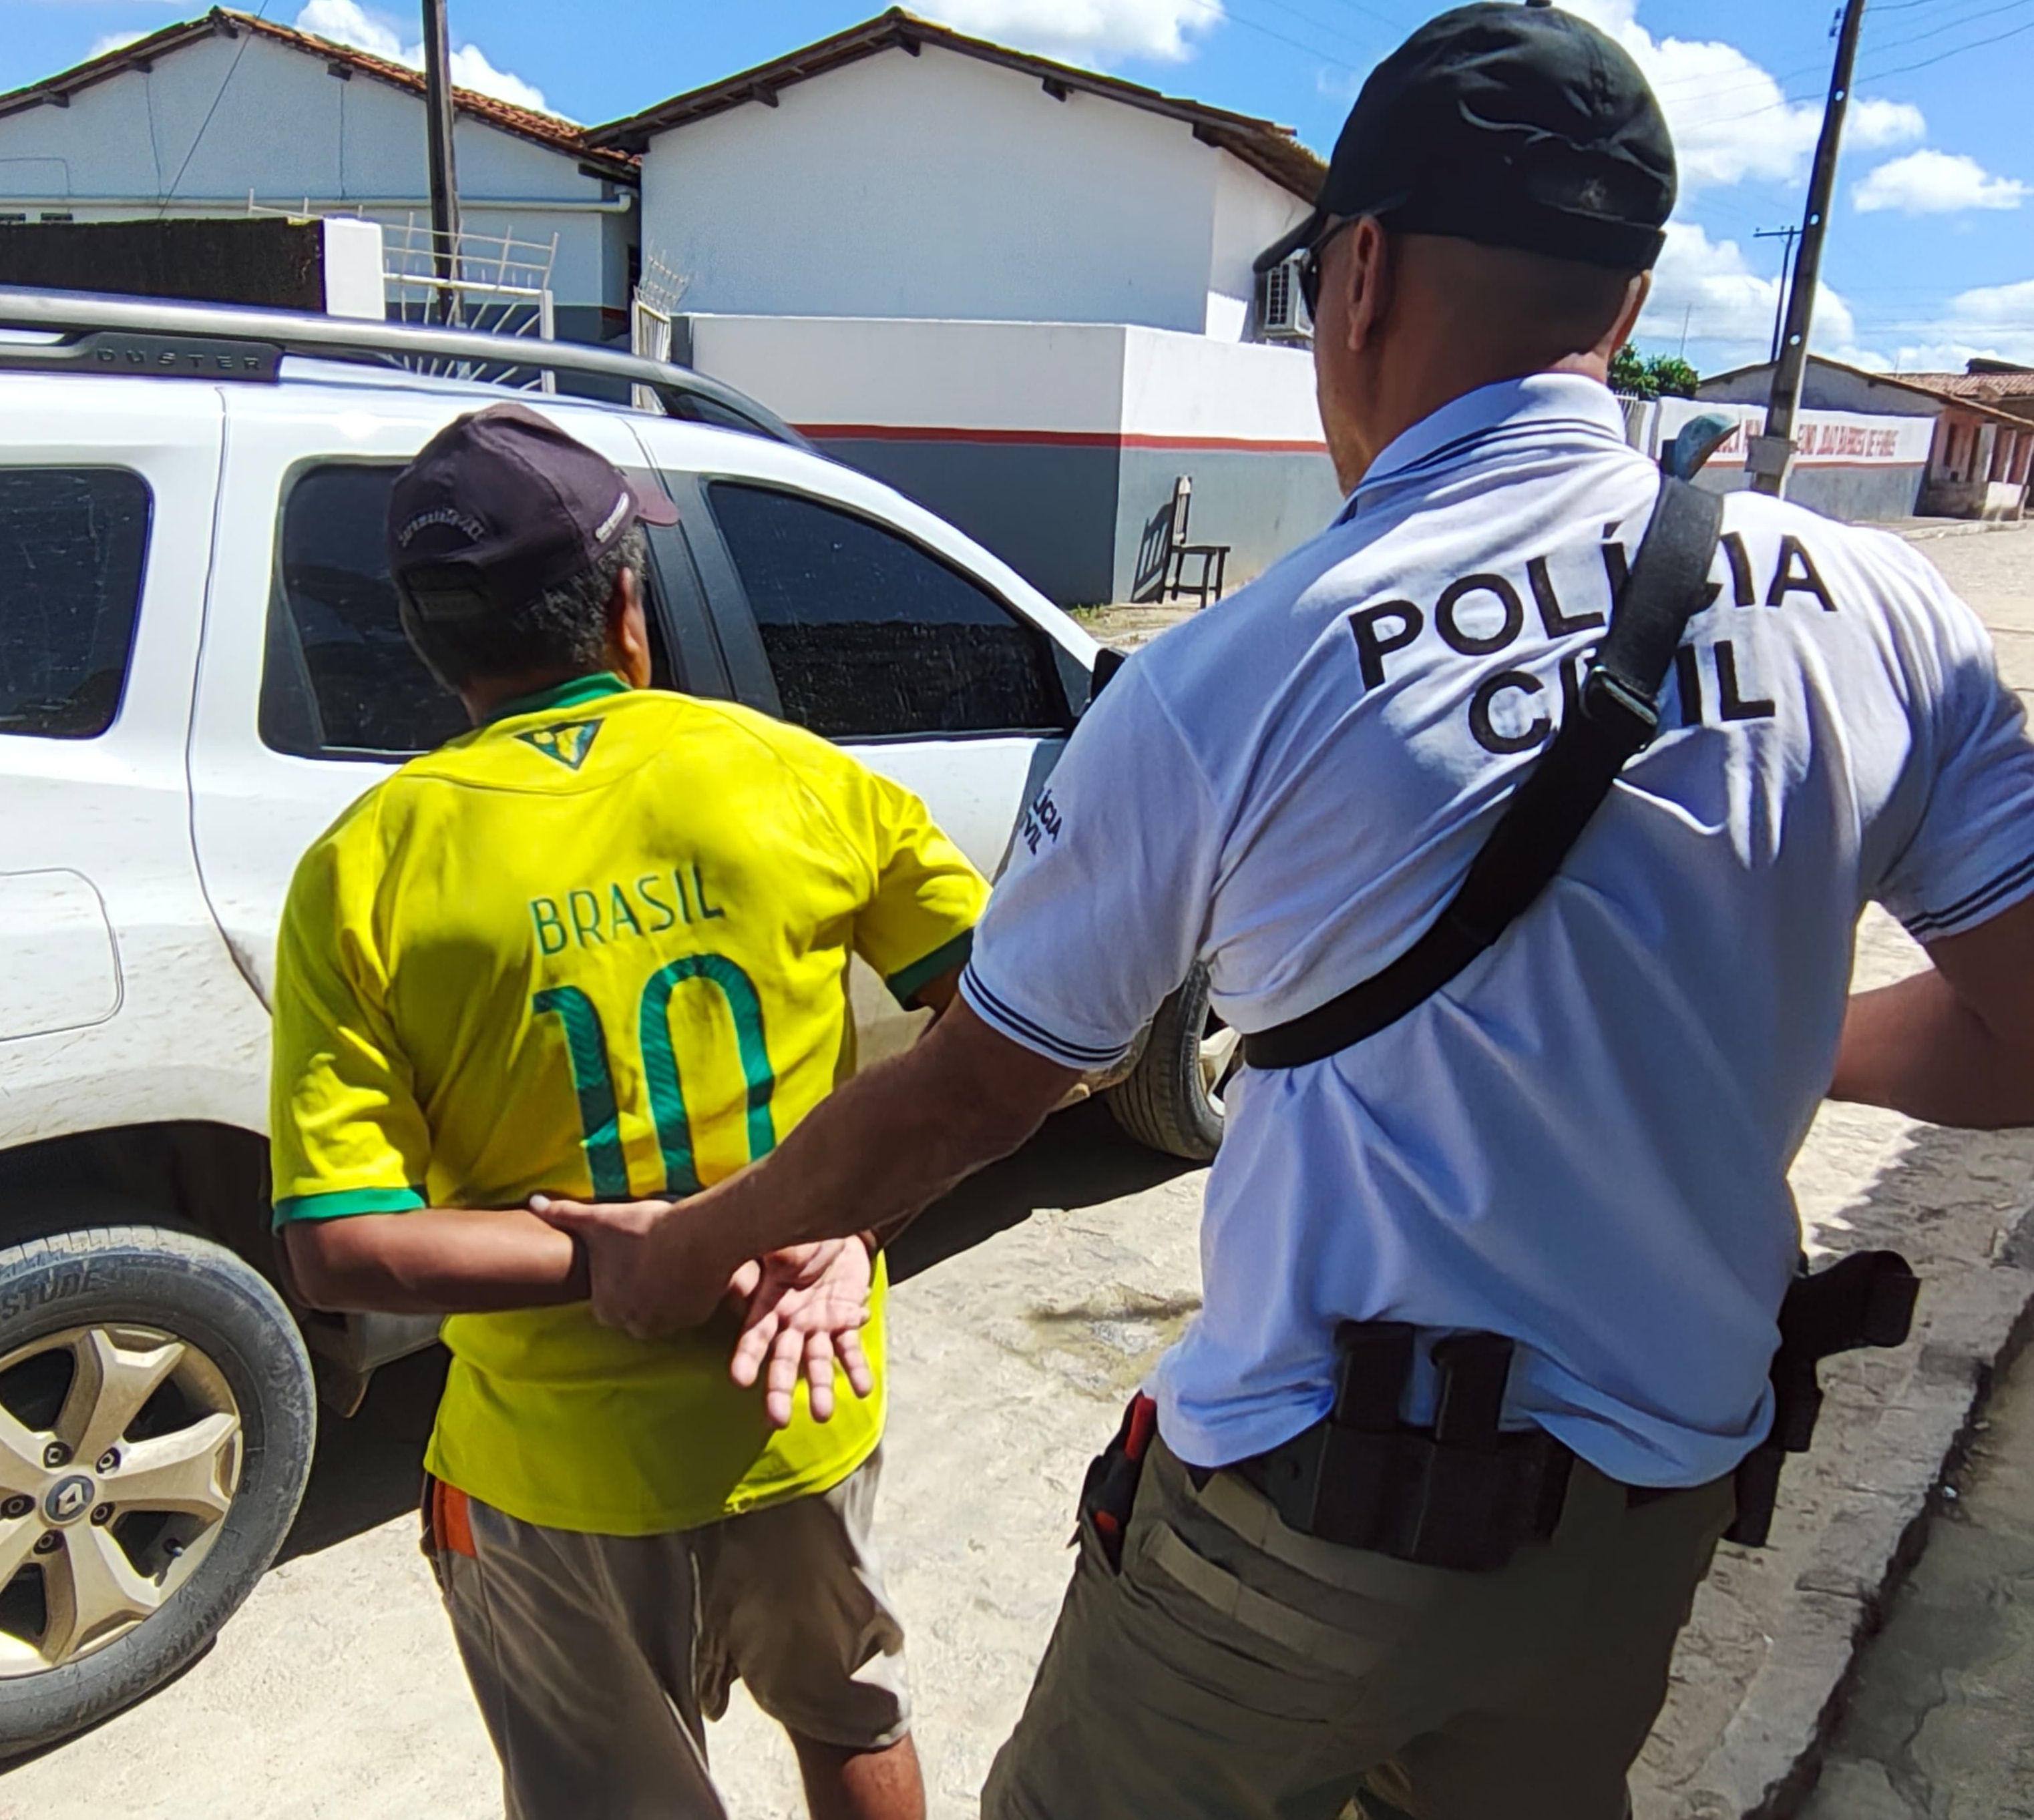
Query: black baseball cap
1509	125
500	506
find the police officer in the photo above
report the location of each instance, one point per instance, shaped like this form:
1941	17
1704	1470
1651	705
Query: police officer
1491	1297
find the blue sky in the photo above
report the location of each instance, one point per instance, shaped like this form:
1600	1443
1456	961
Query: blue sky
1930	256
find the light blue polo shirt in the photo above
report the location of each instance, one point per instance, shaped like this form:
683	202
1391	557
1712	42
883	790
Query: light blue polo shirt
1583	1141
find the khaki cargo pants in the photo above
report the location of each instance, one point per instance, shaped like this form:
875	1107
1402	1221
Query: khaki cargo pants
594	1658
1236	1670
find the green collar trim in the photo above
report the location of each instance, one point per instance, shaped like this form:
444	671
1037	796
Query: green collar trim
574	694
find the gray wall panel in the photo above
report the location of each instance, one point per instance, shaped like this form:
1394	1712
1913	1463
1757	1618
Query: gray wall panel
1261	505
1872	494
1048	509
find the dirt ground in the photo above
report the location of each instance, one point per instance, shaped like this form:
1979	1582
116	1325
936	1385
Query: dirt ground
1034	1300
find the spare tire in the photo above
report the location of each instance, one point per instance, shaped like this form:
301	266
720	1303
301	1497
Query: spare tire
155	1429
1171	1101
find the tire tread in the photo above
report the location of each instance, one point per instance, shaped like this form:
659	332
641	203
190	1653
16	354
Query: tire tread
1162	1102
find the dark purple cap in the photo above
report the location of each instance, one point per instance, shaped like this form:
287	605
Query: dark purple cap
502	505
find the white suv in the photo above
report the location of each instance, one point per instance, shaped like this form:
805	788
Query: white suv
200	666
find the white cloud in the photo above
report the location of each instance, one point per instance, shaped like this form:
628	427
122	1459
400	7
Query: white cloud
1996	321
1086	30
1931	182
1730	118
1870	359
470	69
347	22
1709	287
113	41
1993	320
1343	86
1872	124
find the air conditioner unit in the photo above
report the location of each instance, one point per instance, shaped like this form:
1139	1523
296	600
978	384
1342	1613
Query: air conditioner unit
1282	311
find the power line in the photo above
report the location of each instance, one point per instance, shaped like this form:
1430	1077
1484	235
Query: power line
1790	235
1218	12
1307	18
1943	57
1953	25
246	39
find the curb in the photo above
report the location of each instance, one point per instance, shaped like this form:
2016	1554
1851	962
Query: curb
1961	527
1788	1800
1773	1643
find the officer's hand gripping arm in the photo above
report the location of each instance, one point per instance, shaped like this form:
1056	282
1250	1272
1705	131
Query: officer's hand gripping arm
872	1154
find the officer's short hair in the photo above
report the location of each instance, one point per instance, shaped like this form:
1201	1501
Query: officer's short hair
1576	295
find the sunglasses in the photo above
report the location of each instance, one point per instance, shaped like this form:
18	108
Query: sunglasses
1310	263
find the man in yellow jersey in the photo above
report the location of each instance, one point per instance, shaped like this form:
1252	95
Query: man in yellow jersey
599	947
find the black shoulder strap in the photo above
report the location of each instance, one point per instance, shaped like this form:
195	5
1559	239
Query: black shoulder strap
1617	718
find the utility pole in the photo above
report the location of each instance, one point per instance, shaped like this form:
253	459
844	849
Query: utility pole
444	180
1770	452
1790	235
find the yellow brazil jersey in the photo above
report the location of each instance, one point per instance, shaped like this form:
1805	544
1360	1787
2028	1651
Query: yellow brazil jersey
598	947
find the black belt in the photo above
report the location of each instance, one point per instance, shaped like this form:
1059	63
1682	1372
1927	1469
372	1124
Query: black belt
1463	1493
1264	1470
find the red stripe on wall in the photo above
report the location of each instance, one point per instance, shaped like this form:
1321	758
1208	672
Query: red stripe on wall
1053	438
1886	466
1242	445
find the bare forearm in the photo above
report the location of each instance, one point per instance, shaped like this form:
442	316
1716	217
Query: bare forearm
436	1261
891	1141
1919	1049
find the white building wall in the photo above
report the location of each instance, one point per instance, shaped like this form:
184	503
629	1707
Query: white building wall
290	131
1194	391
1083	380
1250	212
829	375
937	187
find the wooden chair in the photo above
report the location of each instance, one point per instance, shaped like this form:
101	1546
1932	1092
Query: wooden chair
1212	558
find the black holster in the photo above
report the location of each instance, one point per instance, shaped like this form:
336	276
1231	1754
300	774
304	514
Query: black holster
1864	1300
1462	1495
1110	1491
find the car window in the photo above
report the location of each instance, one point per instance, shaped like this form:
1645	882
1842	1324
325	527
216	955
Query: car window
339	679
870	637
72	542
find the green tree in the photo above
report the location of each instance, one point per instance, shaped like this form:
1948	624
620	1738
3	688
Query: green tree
1670	377
1629	374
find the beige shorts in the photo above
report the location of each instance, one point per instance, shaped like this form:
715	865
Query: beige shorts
594	1659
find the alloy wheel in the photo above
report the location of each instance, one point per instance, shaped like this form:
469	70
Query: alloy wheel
120	1453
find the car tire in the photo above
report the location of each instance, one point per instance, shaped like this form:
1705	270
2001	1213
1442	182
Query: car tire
1171	1101
182	1367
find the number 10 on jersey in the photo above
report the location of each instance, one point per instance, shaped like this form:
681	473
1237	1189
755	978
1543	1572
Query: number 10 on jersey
585	1046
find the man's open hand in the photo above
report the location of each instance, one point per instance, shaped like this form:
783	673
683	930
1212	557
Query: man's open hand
804	1314
651	1264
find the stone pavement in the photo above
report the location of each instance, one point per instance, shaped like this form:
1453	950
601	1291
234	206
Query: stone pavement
1757	1680
1936	1724
1041	1294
